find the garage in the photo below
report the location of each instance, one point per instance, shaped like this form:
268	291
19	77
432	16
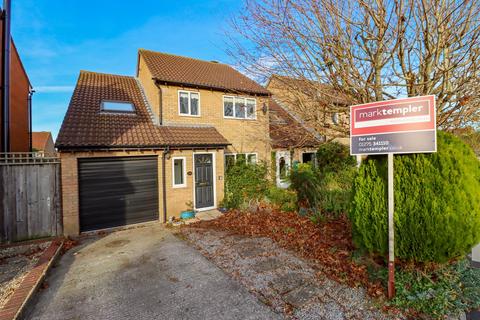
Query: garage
117	191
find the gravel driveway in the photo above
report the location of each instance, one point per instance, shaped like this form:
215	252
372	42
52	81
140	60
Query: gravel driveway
281	280
144	273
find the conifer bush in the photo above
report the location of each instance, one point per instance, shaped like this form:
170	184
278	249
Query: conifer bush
437	203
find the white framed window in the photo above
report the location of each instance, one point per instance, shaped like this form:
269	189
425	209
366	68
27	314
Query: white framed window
335	118
179	172
189	103
252	158
232	158
117	106
239	107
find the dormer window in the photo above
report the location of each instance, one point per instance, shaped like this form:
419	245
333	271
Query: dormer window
117	106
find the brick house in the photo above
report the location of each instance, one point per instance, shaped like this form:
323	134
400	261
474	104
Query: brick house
15	134
291	141
42	143
137	149
305	99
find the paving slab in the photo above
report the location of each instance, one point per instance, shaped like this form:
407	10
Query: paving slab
300	296
144	273
249	249
267	265
288	282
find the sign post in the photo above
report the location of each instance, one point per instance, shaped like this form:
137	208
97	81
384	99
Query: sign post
393	127
391	230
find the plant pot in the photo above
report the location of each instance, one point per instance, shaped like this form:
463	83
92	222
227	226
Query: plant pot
187	215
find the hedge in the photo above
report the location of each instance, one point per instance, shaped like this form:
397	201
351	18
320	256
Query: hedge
437	203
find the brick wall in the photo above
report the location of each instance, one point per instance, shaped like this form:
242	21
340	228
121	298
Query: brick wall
176	197
19	115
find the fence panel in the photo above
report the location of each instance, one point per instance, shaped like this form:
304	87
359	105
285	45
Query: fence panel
30	198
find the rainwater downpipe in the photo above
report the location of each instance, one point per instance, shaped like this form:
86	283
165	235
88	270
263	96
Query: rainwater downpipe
166	153
6	76
160	111
30	95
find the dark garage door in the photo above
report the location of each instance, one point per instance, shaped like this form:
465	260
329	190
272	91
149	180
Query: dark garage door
117	191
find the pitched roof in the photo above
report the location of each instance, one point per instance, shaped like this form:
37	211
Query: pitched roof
86	125
174	69
40	139
288	132
310	88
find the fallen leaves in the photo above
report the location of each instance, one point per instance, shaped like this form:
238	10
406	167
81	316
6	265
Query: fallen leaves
328	244
68	244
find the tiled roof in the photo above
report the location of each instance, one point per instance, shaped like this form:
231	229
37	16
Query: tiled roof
286	131
309	88
85	125
40	139
174	69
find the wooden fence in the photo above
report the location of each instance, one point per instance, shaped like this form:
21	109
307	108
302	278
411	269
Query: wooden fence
30	197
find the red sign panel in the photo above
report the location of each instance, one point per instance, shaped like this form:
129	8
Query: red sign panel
391	126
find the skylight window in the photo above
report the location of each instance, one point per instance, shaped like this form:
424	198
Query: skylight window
117	106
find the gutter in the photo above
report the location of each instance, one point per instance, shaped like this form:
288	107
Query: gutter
6	76
207	87
138	148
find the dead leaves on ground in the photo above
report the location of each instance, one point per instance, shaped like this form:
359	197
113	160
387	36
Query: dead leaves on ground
328	244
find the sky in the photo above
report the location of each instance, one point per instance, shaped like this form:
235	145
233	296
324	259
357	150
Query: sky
56	39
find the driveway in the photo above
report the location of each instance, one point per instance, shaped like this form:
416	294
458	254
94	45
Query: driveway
143	273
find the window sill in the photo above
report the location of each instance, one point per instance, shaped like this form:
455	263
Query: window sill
241	119
179	186
189	115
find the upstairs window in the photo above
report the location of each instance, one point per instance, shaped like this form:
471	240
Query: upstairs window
189	103
117	106
239	108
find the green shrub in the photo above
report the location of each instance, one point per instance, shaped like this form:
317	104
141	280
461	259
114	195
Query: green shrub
285	200
326	187
305	181
450	289
333	157
335	201
437	203
244	182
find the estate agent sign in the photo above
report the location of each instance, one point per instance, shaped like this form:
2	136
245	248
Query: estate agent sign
388	127
395	126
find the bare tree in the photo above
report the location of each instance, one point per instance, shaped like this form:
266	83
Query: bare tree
366	50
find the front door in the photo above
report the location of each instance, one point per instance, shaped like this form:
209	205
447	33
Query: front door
204	181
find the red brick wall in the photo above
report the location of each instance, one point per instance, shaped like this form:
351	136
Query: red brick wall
19	117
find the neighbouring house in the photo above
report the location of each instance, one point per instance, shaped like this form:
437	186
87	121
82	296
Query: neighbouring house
42	143
15	105
291	142
305	99
144	148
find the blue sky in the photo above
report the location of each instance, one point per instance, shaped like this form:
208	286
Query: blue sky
57	39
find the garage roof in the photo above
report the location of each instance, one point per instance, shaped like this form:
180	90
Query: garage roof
87	125
186	71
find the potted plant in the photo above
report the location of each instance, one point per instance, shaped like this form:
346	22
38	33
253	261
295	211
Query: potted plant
189	213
